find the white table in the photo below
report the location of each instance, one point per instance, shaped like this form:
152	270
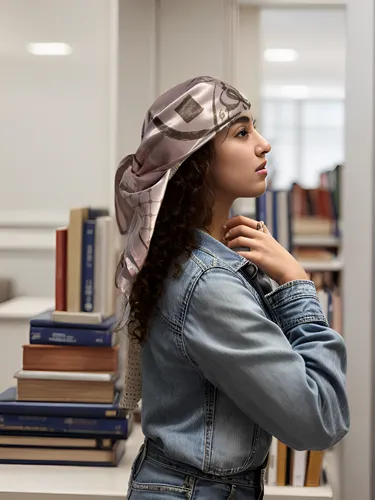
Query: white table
36	482
15	315
33	482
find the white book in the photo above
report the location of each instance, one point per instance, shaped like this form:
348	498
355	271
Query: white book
323	299
272	464
299	468
79	376
283	222
104	266
86	318
269	211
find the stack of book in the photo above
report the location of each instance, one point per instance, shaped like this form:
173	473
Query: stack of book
46	433
287	467
85	263
65	408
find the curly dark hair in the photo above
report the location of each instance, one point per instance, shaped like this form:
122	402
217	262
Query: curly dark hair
187	205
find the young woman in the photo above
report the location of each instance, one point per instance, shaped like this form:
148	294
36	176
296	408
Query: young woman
227	360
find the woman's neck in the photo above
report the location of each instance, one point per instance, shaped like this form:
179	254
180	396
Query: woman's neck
219	217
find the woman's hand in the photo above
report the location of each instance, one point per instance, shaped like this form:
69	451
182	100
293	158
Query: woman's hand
265	251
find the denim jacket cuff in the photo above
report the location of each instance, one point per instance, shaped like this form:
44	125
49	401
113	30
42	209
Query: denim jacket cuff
294	303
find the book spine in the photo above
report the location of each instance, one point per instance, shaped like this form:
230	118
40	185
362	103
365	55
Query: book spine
63	425
61	268
62	409
275	226
261	208
88	250
74	262
104	264
83	337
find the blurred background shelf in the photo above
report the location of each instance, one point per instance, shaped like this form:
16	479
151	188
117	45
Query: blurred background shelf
316	241
331	265
290	492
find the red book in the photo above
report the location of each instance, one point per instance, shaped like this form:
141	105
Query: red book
61	268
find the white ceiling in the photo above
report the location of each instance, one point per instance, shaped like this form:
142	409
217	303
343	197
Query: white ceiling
318	35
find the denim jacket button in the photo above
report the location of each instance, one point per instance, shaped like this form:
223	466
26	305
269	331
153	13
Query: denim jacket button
251	270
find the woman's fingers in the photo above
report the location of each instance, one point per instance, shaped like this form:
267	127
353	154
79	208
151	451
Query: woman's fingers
243	242
242	230
240	220
253	257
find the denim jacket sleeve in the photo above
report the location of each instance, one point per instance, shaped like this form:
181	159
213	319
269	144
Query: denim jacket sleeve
288	376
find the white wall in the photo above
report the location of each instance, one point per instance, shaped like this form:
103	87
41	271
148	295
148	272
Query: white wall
136	70
67	121
55	144
194	38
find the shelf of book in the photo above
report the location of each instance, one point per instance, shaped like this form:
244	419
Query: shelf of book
70	482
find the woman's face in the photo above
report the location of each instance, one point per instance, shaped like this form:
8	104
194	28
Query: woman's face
239	168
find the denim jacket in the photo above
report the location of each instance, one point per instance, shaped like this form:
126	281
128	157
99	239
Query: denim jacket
226	366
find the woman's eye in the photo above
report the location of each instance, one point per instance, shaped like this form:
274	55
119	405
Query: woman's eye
243	133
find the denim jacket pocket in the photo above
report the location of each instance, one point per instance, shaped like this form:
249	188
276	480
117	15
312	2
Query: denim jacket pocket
235	448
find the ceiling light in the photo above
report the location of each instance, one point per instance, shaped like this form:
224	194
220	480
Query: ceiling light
280	55
49	49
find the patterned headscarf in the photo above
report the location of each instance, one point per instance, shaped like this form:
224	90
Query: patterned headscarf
179	122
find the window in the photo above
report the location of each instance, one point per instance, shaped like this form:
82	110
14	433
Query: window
307	138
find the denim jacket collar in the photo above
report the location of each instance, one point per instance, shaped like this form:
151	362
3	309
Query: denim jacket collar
219	251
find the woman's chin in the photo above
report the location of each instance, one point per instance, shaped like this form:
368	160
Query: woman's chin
258	189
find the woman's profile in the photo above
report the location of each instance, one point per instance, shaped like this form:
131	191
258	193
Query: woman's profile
227	360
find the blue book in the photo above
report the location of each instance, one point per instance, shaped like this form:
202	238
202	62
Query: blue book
330	307
84	427
10	406
260	208
275	226
87	280
45	319
68	336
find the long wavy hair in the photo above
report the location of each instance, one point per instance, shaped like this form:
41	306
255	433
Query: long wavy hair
187	205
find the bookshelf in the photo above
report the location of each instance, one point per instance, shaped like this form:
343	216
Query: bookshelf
307	222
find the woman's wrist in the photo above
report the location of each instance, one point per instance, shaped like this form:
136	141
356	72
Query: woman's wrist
287	278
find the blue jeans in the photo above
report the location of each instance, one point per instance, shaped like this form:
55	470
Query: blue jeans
155	477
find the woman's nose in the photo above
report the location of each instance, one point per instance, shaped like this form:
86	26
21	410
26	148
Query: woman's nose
263	147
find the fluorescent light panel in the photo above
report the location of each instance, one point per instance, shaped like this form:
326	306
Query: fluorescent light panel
49	49
280	55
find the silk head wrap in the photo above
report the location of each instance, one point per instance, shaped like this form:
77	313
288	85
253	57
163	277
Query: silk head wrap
179	122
